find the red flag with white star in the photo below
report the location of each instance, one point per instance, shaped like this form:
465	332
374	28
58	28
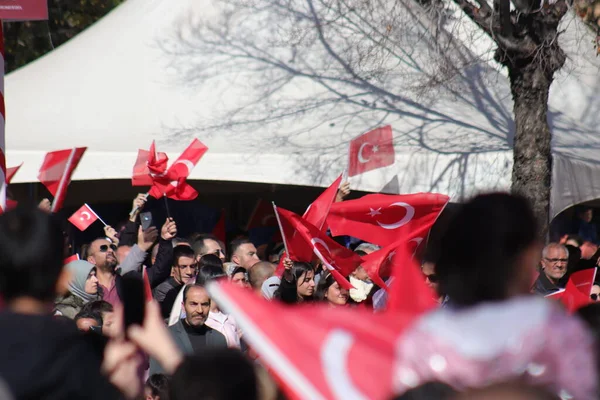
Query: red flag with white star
371	150
382	218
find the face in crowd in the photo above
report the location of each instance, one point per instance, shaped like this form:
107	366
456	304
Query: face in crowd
245	256
211	246
197	306
554	262
185	269
102	254
305	284
337	295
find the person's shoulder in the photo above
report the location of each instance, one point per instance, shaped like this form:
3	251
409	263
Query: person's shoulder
215	337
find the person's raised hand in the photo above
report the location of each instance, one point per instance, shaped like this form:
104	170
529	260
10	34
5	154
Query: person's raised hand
343	192
111	233
138	205
146	238
169	229
45	205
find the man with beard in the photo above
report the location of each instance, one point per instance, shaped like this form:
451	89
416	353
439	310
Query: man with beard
102	253
191	334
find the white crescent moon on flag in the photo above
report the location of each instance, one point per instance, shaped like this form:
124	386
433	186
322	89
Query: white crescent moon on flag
410	213
87	214
188	164
335	363
361	159
325	262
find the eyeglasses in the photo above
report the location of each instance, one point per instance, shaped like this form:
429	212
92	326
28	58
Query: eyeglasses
433	278
594	296
104	248
557	260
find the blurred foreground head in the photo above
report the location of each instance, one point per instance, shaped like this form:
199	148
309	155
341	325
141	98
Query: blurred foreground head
489	251
31	254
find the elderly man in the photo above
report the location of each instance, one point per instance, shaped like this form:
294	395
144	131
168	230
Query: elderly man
555	257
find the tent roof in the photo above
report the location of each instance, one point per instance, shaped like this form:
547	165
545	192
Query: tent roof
114	89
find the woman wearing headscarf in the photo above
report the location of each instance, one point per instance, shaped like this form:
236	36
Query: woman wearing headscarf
83	288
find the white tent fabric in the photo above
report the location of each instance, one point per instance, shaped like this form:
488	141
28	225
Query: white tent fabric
114	89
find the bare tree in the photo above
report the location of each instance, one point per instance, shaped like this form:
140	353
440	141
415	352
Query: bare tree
371	60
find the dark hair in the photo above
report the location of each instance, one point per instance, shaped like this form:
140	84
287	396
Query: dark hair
182	251
98	306
96	316
187	288
236	243
210	269
237	270
288	292
360	252
210	260
325	282
216	374
479	250
575	238
198	242
31	254
159	386
428	391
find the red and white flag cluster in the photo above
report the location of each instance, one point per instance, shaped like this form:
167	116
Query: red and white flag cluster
150	169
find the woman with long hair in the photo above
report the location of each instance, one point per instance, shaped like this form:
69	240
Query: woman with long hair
297	284
330	291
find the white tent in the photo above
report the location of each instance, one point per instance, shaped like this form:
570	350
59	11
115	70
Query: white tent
114	88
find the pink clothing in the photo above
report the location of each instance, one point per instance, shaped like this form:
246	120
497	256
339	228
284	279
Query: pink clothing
527	337
110	295
226	325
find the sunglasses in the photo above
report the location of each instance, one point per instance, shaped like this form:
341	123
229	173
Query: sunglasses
433	278
104	248
594	296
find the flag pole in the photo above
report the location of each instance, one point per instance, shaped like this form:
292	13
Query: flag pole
2	127
167	205
58	199
94	212
281	229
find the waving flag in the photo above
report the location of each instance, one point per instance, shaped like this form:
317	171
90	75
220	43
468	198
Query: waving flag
151	169
10	173
83	218
371	150
262	216
382	218
220	229
317	212
304	241
56	171
344	346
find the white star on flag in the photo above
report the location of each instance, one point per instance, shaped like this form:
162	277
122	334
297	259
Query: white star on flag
375	149
374	212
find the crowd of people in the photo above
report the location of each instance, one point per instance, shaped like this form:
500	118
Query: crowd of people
492	336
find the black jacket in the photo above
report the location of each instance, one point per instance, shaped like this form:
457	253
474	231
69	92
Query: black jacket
43	357
543	285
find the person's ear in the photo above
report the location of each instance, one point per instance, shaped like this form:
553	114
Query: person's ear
235	259
91	260
62	285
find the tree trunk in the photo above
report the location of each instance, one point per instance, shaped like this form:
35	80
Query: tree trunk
532	162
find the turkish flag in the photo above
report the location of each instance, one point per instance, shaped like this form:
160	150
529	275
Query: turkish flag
148	164
10	173
220	230
56	171
172	183
262	216
571	297
83	218
147	288
584	280
382	218
303	241
371	150
316	213
345	345
408	291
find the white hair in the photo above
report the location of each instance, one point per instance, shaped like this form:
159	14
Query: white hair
367	247
550	246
